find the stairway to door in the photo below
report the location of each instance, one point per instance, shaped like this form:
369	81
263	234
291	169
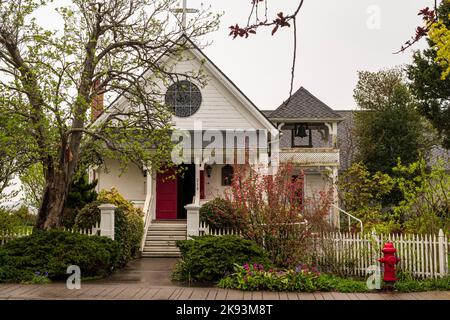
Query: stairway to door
161	238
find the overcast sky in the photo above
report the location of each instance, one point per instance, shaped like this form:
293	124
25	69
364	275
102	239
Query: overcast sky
336	38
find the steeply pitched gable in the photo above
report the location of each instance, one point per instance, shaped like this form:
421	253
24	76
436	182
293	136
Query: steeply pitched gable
304	105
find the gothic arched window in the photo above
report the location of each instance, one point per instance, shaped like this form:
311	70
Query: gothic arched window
227	175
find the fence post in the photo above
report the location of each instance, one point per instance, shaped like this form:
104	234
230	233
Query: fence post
107	220
193	219
441	252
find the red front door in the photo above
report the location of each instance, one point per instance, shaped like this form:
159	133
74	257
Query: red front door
166	195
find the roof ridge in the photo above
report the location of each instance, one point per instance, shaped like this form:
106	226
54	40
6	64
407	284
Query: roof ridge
304	104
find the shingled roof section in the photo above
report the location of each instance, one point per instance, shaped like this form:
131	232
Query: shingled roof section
304	105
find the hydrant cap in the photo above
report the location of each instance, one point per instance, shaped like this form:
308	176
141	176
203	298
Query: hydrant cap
389	248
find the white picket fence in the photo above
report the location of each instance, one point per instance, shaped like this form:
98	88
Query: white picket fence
94	231
422	256
5	237
18	233
205	229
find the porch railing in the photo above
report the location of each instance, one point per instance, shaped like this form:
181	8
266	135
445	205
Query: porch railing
310	156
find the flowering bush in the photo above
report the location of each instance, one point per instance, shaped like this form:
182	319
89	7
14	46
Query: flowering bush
251	277
277	216
219	213
254	277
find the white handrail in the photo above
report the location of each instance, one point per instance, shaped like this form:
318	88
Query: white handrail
350	216
148	221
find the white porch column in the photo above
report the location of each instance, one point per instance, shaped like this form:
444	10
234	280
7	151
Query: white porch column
198	168
107	220
332	127
335	211
193	219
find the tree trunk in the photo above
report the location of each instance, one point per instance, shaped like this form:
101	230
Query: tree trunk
53	201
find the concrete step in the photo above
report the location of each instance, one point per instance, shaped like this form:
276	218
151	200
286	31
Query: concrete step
165	237
160	255
161	249
160	243
166	233
164	226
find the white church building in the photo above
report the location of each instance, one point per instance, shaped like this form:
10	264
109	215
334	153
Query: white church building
302	130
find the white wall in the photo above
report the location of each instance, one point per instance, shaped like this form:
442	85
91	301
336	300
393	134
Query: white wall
314	183
130	184
219	108
213	185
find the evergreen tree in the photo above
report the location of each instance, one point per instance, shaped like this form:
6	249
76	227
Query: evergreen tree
428	86
389	128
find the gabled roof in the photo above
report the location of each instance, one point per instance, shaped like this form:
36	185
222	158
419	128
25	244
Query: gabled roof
232	87
304	105
218	73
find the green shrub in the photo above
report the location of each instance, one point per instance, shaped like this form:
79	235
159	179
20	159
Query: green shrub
219	213
129	224
47	254
8	221
255	277
407	283
129	230
24	216
88	216
210	258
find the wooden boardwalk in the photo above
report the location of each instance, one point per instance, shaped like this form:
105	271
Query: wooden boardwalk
101	291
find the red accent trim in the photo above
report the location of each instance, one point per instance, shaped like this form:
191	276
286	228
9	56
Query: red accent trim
202	184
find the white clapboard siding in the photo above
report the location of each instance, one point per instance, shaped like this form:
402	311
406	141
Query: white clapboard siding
219	109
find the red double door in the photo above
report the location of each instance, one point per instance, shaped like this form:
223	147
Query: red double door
170	191
166	195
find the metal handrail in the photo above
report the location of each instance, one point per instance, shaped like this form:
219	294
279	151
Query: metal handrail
350	216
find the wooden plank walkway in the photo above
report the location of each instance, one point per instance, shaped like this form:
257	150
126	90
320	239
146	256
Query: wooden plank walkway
137	292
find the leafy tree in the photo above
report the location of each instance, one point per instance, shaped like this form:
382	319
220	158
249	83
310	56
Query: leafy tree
389	126
361	193
426	203
51	78
33	183
14	153
427	84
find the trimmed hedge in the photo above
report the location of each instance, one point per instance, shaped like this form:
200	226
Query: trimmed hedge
129	224
49	253
210	258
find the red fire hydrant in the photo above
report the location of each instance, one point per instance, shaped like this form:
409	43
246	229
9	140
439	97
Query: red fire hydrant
390	260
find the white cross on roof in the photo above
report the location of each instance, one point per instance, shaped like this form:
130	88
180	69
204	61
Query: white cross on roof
184	10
